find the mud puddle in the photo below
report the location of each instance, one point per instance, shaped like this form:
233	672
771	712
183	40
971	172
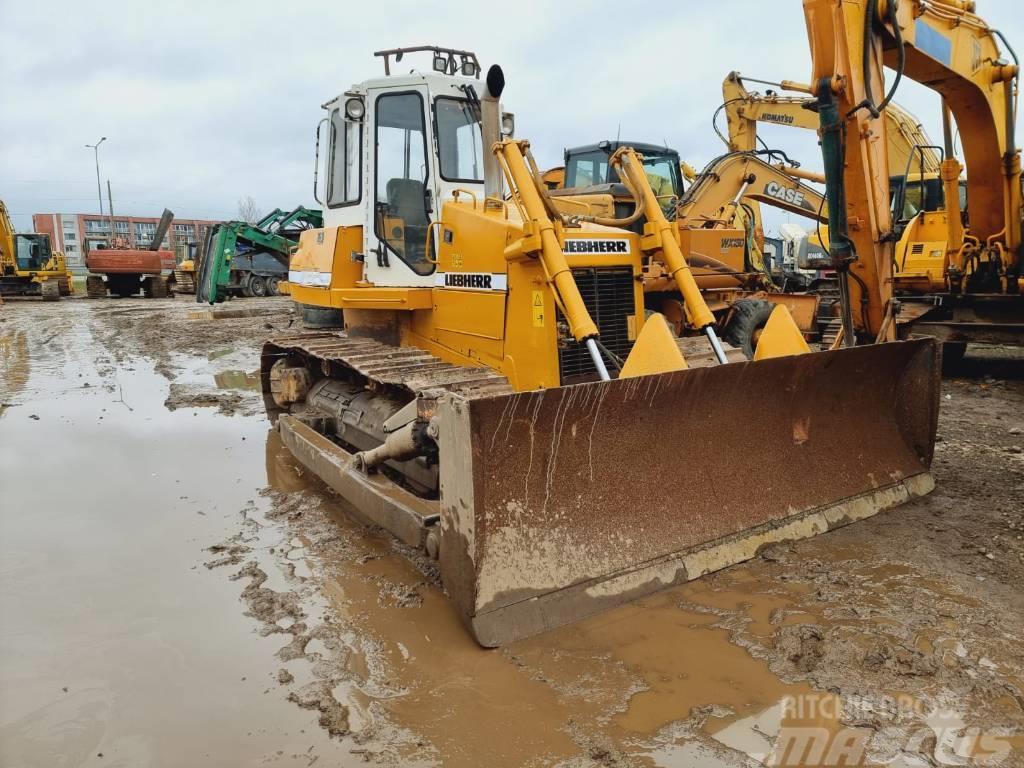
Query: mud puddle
117	647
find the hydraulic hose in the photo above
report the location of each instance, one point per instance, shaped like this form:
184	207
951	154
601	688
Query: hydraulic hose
638	199
841	248
870	23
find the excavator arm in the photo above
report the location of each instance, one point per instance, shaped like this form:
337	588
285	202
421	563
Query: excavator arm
6	239
954	52
909	144
942	45
731	178
729	191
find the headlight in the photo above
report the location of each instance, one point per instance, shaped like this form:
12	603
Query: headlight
355	109
508	124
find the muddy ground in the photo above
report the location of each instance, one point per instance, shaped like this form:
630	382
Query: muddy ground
177	592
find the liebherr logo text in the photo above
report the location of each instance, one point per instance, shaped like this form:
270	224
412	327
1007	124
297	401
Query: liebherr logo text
771	117
786	194
596	246
479	281
465	280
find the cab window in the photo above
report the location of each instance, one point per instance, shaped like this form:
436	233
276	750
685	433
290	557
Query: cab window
459	140
33	252
587	170
343	187
402	209
665	178
917	197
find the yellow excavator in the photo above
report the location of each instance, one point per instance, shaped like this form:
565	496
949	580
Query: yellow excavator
913	158
500	397
28	264
957	271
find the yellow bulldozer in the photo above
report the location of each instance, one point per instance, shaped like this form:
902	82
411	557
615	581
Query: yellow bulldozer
502	397
28	264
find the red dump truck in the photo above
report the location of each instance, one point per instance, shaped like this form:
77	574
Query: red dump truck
122	271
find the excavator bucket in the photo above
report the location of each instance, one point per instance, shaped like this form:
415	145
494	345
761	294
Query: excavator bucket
560	503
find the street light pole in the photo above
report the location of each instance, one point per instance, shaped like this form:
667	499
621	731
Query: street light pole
96	152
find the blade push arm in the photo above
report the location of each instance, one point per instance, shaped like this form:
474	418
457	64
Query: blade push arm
512	154
659	235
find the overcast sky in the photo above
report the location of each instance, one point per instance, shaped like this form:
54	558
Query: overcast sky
205	102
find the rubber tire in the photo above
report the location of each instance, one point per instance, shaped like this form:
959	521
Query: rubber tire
748	317
49	290
273	289
257	287
322	318
244	284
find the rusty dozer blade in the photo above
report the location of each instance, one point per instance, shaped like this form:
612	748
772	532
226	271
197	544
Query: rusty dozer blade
560	503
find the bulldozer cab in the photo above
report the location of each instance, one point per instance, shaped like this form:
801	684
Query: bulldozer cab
588	168
397	147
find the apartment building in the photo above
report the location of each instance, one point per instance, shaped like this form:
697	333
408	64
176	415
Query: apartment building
74	233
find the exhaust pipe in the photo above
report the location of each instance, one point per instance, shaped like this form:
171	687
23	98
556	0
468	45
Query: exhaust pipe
490	126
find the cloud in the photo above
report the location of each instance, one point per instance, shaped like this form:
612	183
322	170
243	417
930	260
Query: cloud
205	102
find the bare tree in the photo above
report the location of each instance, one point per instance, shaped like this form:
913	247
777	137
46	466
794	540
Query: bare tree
248	211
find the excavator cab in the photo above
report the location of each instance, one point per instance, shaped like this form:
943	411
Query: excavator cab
32	252
500	398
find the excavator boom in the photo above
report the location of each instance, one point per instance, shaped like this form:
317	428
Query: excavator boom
945	46
909	144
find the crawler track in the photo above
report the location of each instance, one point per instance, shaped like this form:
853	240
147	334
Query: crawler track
406	369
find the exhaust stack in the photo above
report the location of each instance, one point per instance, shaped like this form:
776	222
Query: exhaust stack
490	125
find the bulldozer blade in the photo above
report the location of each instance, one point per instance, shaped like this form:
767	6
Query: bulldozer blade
560	503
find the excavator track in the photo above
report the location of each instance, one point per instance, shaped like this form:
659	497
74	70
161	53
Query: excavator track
184	282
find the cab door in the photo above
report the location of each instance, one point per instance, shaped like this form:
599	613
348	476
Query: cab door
403	195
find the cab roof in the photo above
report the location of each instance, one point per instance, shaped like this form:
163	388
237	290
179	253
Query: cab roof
608	147
436	84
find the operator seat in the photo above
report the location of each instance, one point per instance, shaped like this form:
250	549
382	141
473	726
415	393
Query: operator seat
406	201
